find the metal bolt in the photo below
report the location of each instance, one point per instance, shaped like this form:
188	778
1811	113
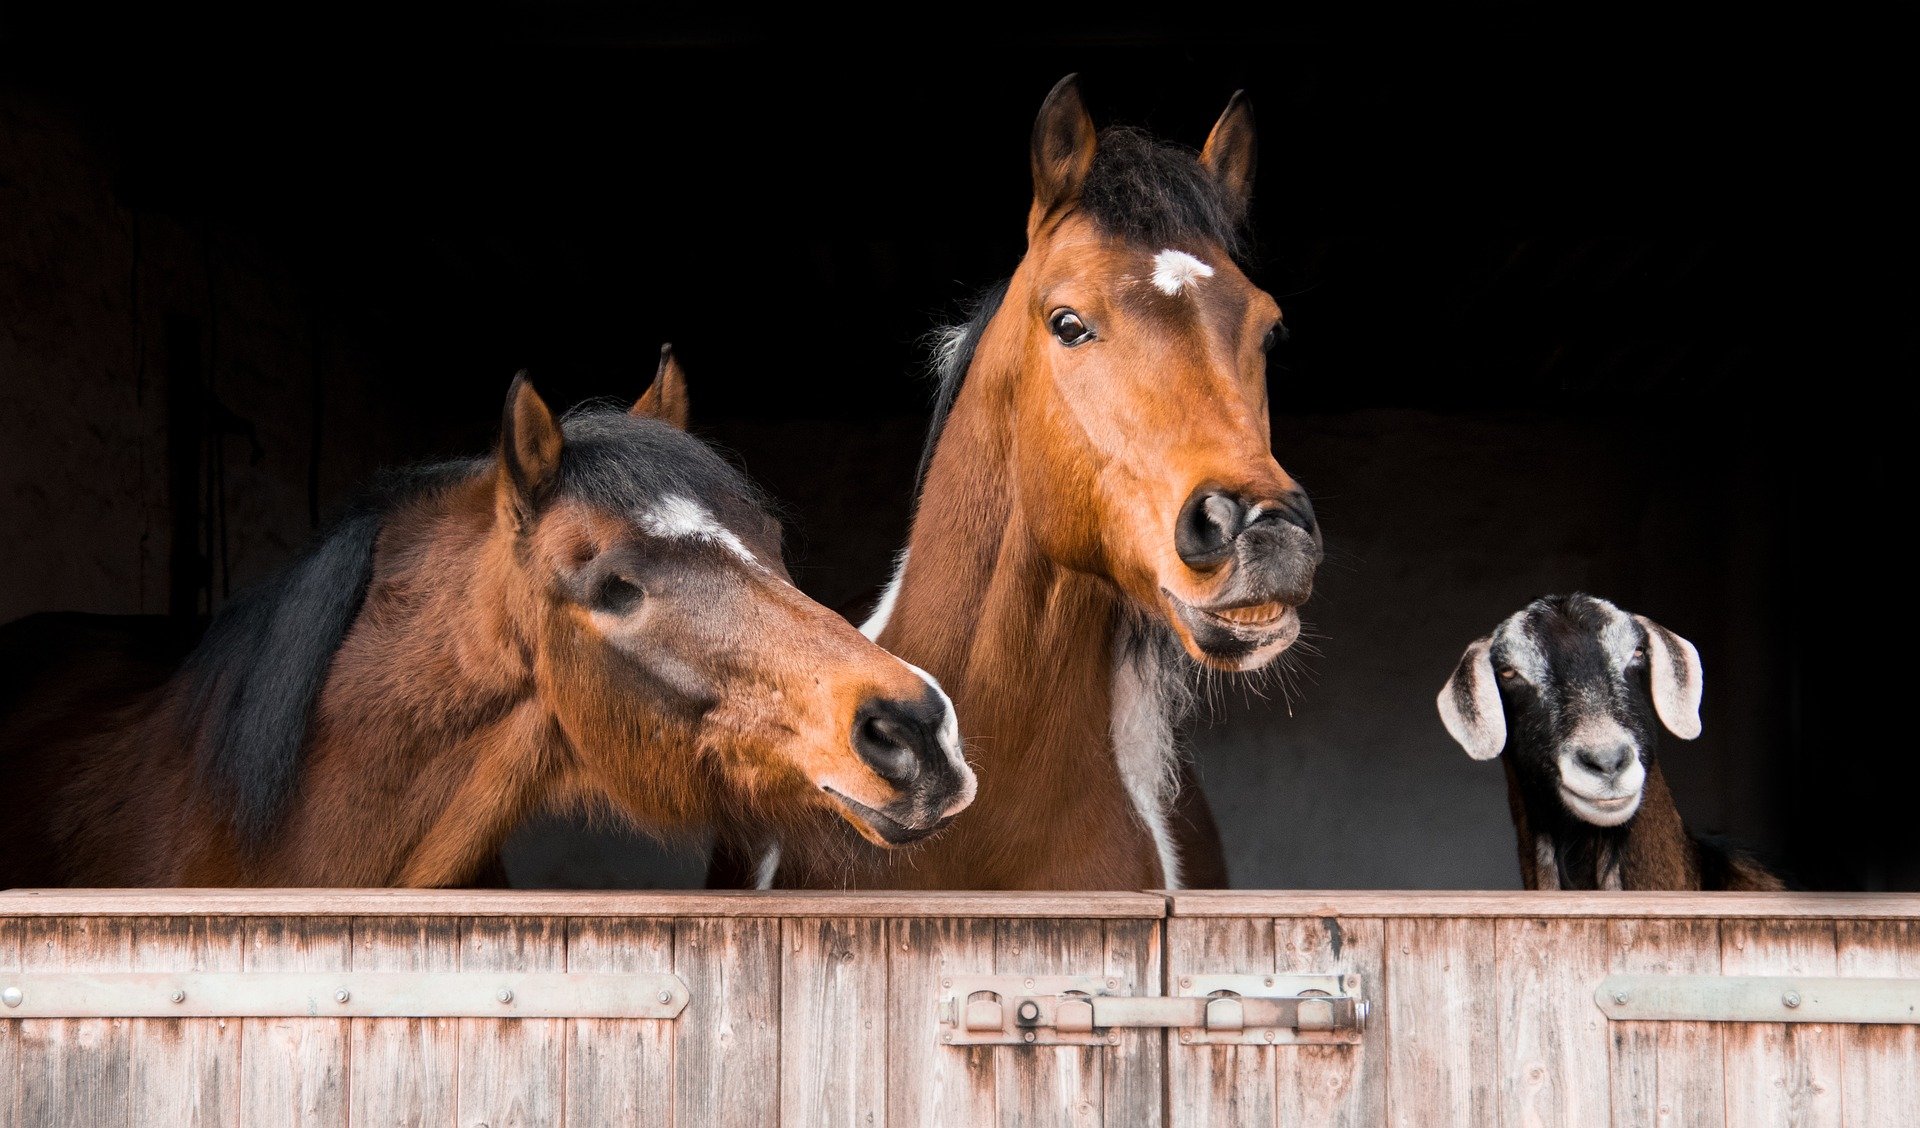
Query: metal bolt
1268	1035
1028	1036
505	995
1791	998
1186	1035
1620	997
1113	984
946	1037
342	995
1029	1010
11	996
1029	984
1186	981
947	983
1113	1037
666	996
178	996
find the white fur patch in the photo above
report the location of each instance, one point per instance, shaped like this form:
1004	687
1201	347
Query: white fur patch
1620	637
768	869
682	518
1519	649
1143	747
1471	710
949	737
1174	271
877	621
1678	681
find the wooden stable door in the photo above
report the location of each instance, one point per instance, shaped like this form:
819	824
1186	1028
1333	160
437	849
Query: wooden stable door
339	1008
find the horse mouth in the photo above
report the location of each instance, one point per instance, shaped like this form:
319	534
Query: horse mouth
1240	637
888	830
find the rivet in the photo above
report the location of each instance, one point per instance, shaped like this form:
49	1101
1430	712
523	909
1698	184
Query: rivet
947	983
1791	998
11	996
1268	981
1620	997
1029	984
666	996
342	995
1186	1035
505	995
1113	984
1268	1035
946	1037
1113	1037
178	996
1028	1036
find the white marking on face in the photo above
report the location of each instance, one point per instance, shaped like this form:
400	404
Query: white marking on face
1590	796
949	737
682	518
877	621
1519	651
1620	637
1143	745
1174	271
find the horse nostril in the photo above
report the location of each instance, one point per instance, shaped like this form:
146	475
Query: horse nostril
891	740
1294	509
1209	522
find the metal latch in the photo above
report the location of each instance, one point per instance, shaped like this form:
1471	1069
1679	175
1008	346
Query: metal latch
1217	1010
1758	998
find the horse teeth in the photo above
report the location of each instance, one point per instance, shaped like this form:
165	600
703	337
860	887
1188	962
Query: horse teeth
1252	616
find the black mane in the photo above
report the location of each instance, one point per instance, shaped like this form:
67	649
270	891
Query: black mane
255	677
1145	191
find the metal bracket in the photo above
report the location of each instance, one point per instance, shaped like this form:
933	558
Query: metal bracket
343	994
1217	1010
1758	998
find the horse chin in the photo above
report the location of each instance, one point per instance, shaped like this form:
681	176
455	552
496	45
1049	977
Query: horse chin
877	826
1238	639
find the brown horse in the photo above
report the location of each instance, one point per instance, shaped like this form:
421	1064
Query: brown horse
596	615
1101	519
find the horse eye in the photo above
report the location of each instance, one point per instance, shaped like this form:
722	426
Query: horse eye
1274	336
1070	330
618	595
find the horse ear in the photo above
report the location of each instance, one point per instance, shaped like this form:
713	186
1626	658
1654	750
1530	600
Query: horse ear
1063	145
1231	149
1678	681
530	445
1470	704
666	398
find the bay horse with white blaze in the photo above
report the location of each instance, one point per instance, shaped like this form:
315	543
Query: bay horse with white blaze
595	616
1101	521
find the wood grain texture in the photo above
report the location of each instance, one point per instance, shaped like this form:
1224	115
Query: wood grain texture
1336	1085
1050	1085
1553	1039
75	1072
1135	1067
293	1071
10	1043
1441	994
1519	903
1209	1085
186	1072
620	1072
1665	1074
833	1022
727	1041
1880	1068
521	903
929	1083
1780	1073
401	1070
512	1070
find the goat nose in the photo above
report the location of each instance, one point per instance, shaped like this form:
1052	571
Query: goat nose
1606	762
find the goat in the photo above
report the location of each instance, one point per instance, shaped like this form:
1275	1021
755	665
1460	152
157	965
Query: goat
1570	687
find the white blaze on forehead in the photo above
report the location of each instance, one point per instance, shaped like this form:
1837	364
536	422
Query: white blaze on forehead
682	518
1174	270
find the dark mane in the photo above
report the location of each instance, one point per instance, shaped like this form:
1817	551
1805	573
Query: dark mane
612	459
1139	189
253	679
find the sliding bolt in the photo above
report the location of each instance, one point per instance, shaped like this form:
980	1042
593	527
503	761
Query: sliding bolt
1791	998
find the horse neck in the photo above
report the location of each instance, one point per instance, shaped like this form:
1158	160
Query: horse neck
428	743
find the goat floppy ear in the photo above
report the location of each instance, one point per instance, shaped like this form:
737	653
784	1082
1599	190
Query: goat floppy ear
1063	145
1470	703
666	398
1677	679
530	445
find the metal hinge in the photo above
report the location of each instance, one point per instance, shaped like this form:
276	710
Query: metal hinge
1217	1010
342	994
1758	998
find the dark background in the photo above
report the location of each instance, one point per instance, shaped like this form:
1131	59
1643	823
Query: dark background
1611	301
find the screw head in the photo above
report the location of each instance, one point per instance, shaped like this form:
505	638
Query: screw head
1113	984
505	995
1029	984
1268	981
11	996
1268	1035
946	1037
666	996
1028	1036
342	995
1620	998
1791	998
1186	1035
178	996
1113	1037
947	983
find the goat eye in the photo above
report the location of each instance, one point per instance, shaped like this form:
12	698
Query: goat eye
1508	674
618	595
1639	652
1069	328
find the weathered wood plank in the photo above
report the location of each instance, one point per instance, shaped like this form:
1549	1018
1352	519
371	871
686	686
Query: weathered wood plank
1136	1065
400	1070
293	1071
929	1083
186	1072
833	1021
1208	1085
1440	1006
1552	1038
1049	1084
1524	903
10	1044
525	903
1335	1085
620	1072
1780	1073
727	1041
1666	1074
1880	1078
511	1069
75	1072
